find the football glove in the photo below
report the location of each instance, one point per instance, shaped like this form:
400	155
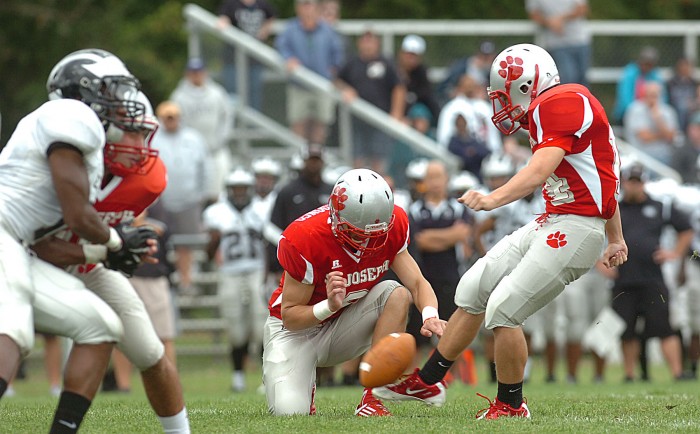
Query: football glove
134	244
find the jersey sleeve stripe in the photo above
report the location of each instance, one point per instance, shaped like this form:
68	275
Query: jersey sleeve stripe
538	127
585	166
587	116
309	274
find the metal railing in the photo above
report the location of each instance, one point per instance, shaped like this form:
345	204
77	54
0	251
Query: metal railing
247	48
200	21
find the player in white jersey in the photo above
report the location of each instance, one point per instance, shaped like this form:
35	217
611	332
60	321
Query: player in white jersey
134	178
267	173
49	173
235	230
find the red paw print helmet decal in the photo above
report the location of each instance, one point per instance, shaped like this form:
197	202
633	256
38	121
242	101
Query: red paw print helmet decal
511	68
556	240
338	198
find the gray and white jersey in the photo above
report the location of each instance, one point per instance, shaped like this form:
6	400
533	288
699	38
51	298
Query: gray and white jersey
241	236
28	200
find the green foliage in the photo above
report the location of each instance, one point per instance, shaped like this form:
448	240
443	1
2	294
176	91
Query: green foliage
150	35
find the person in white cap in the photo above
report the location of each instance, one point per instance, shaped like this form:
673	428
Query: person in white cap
414	74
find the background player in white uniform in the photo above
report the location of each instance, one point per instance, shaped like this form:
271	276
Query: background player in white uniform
692	285
332	303
267	174
575	161
49	173
235	230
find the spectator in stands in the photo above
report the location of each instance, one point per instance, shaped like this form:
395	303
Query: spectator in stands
640	291
330	11
468	147
254	17
682	90
153	287
414	73
686	159
420	118
309	41
651	125
563	32
206	107
477	66
470	102
186	158
372	77
630	86
439	226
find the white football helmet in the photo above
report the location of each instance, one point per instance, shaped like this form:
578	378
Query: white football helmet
102	81
496	165
463	181
415	170
361	210
266	166
146	155
239	185
518	74
239	177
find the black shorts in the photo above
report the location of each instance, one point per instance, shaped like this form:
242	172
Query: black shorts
647	301
445	293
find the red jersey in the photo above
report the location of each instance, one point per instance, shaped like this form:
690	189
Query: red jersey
308	251
122	199
586	182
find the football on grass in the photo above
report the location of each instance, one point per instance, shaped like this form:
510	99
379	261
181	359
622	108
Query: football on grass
387	360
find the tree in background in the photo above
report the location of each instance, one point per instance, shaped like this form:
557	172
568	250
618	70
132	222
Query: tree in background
151	38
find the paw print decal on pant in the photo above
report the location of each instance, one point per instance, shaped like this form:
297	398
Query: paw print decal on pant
556	240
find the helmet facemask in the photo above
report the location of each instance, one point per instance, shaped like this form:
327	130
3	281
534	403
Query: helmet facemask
115	102
145	155
370	239
509	118
519	74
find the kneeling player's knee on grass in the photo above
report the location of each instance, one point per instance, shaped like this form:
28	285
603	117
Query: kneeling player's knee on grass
289	402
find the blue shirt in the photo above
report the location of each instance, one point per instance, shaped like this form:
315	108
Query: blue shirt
627	87
321	49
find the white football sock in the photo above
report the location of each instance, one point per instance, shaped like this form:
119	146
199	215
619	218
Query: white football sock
177	424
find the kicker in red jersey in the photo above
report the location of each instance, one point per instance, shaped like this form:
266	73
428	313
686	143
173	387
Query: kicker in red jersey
586	182
314	243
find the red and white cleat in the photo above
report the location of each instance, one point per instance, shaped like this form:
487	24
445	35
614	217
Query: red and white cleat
370	406
312	407
413	388
498	409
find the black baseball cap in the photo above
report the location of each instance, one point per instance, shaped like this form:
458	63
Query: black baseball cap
635	172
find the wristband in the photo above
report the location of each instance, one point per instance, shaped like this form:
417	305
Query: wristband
430	312
94	253
322	311
115	241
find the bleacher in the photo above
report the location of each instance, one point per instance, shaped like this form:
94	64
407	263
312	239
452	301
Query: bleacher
265	133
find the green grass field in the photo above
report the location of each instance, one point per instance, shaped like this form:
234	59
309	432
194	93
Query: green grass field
659	406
